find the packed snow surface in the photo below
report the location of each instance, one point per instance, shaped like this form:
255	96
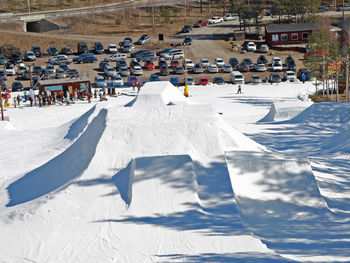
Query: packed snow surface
158	177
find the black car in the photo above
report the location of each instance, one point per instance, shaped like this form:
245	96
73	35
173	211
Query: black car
128	39
64	67
85	58
162	62
121	63
304	71
17	86
291	65
73	73
243	67
219	80
288	59
133	54
164	70
234	63
186	29
16	58
37	70
37	51
82	48
3	75
52	51
3	60
275	78
249	62
187	41
262	60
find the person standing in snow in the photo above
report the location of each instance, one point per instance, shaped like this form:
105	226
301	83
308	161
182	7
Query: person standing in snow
15	102
31	101
303	78
18	100
239	91
89	97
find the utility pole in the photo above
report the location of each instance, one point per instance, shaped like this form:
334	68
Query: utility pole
2	107
28	3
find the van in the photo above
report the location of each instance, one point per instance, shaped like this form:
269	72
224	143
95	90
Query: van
237	77
82	48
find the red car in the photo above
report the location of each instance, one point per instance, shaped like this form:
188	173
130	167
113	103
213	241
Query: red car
204	81
201	23
174	63
150	65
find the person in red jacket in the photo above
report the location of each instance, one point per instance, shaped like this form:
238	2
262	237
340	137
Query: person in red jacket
89	97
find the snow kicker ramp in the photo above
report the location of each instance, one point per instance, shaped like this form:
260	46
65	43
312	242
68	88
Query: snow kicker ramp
278	198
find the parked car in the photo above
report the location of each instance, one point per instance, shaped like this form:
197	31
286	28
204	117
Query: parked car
117	81
174	63
146	56
124	71
227	68
121	63
189	80
100	82
164	70
179	69
64	67
102	65
236	77
186	29
203	81
10	69
115	57
275	78
21	68
112	48
133	54
133	63
215	20
60	73
243	67
50	69
255	79
187	41
175	81
212	68
291	65
85	58
82	48
128	39
154	77
304	71
204	62
37	70
218	81
16	58
136	70
144	39
127	47
174	54
52	51
249	62
234	63
165	50
197	68
98	48
29	56
60	59
110	72
67	51
276	64
188	64
132	81
3	60
219	62
201	23
323	8
251	47
149	65
259	67
73	73
262	60
290	76
37	50
25	75
230	17
263	48
17	86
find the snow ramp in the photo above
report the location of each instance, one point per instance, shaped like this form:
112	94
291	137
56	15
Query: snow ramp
278	198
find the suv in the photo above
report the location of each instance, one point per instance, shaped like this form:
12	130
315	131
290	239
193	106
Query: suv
186	29
37	51
144	39
98	48
29	56
82	48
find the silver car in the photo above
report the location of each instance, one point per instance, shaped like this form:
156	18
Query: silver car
227	68
197	69
255	79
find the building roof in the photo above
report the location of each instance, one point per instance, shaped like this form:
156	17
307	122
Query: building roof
63	80
290	27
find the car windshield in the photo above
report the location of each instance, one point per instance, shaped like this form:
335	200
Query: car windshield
255	77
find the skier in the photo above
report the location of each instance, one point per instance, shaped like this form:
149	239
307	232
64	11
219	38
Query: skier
239	91
89	97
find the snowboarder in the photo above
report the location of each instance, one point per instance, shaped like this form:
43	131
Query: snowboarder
239	91
303	77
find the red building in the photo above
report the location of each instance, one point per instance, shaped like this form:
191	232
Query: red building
288	36
81	86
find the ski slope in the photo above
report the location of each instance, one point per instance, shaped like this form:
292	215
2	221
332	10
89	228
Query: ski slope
157	177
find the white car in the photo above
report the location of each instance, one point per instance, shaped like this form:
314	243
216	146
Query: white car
219	62
136	70
277	64
212	68
259	67
112	48
118	81
215	20
188	64
290	76
110	71
115	57
204	62
21	68
227	68
251	47
230	17
10	69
